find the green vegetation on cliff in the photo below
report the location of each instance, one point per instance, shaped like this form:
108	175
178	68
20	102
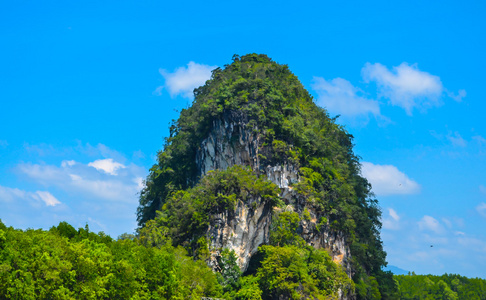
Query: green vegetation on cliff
292	128
187	213
286	267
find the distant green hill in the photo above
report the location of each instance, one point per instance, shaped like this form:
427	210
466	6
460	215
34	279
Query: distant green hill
396	270
447	286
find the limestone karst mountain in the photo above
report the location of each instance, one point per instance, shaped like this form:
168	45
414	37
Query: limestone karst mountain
254	161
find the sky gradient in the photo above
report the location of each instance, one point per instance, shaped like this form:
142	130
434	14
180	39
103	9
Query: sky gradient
87	92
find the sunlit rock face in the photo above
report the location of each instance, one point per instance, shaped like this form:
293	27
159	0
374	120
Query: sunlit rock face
232	142
242	231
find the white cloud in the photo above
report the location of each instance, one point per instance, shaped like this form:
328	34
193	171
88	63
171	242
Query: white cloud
184	80
431	224
86	194
406	86
456	140
481	209
48	198
435	245
78	178
107	165
13	194
140	183
388	180
391	222
339	96
393	214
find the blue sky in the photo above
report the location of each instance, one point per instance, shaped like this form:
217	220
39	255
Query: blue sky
87	90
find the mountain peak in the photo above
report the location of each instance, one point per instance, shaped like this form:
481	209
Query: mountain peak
253	121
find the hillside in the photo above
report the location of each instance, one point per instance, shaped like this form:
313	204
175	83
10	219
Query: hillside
254	163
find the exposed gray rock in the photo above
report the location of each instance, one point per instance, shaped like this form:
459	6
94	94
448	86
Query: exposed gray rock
242	232
230	143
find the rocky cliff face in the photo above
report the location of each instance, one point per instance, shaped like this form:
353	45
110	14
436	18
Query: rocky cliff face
231	142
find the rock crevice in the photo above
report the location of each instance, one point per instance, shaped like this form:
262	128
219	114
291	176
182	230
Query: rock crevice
231	142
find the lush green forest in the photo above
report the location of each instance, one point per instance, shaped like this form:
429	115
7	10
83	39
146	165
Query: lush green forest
65	263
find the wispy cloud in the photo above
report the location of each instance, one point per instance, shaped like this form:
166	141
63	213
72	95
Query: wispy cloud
433	244
8	194
44	149
81	183
388	180
184	80
100	150
78	150
392	220
431	224
340	97
481	208
75	177
460	94
479	139
456	139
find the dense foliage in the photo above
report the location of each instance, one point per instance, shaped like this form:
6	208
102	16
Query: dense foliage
187	213
447	287
291	128
64	263
287	267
